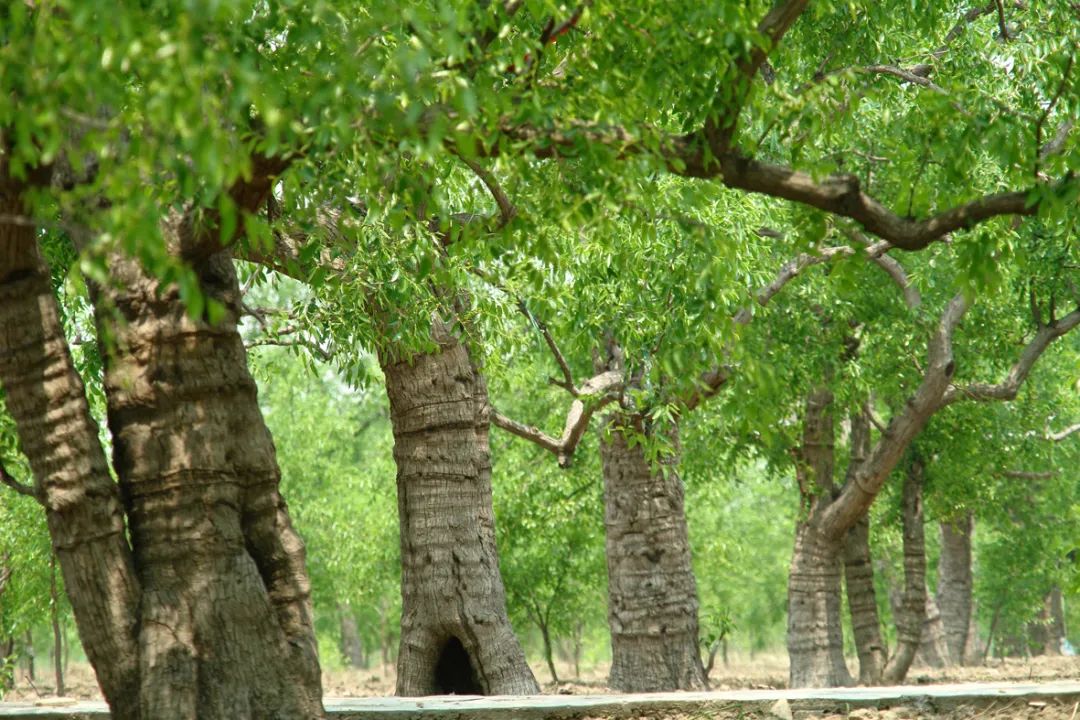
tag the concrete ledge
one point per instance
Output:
(566, 707)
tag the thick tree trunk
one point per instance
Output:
(455, 633)
(815, 634)
(911, 614)
(225, 614)
(859, 572)
(862, 603)
(954, 590)
(933, 646)
(652, 593)
(352, 649)
(46, 398)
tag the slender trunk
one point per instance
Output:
(579, 629)
(225, 626)
(911, 615)
(46, 398)
(954, 590)
(54, 616)
(455, 632)
(859, 572)
(7, 643)
(549, 657)
(862, 603)
(1055, 606)
(29, 655)
(815, 634)
(652, 593)
(352, 649)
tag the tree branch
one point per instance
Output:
(560, 359)
(27, 490)
(507, 211)
(1030, 474)
(1059, 436)
(603, 387)
(866, 482)
(839, 194)
(1018, 373)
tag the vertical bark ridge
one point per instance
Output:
(47, 399)
(815, 634)
(911, 614)
(450, 584)
(188, 443)
(859, 570)
(954, 590)
(653, 603)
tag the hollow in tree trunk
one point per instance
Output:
(954, 590)
(455, 633)
(815, 635)
(652, 593)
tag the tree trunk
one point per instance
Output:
(455, 633)
(859, 573)
(46, 398)
(549, 657)
(652, 593)
(933, 647)
(352, 649)
(911, 615)
(862, 603)
(28, 654)
(54, 617)
(954, 590)
(815, 638)
(225, 614)
(1054, 628)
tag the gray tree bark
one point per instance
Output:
(225, 624)
(911, 613)
(206, 614)
(350, 645)
(455, 633)
(652, 592)
(954, 590)
(859, 572)
(815, 634)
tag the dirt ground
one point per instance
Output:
(761, 672)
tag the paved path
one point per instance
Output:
(575, 706)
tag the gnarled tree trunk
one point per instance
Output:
(455, 633)
(815, 635)
(859, 572)
(911, 613)
(652, 593)
(47, 400)
(225, 628)
(954, 590)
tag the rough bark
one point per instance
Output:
(46, 398)
(859, 573)
(455, 633)
(954, 590)
(652, 592)
(933, 646)
(815, 634)
(911, 614)
(225, 625)
(862, 603)
(1053, 625)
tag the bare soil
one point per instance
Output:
(761, 672)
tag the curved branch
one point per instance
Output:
(1059, 436)
(7, 479)
(1018, 373)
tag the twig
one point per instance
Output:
(1001, 21)
(11, 482)
(1047, 110)
(1059, 436)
